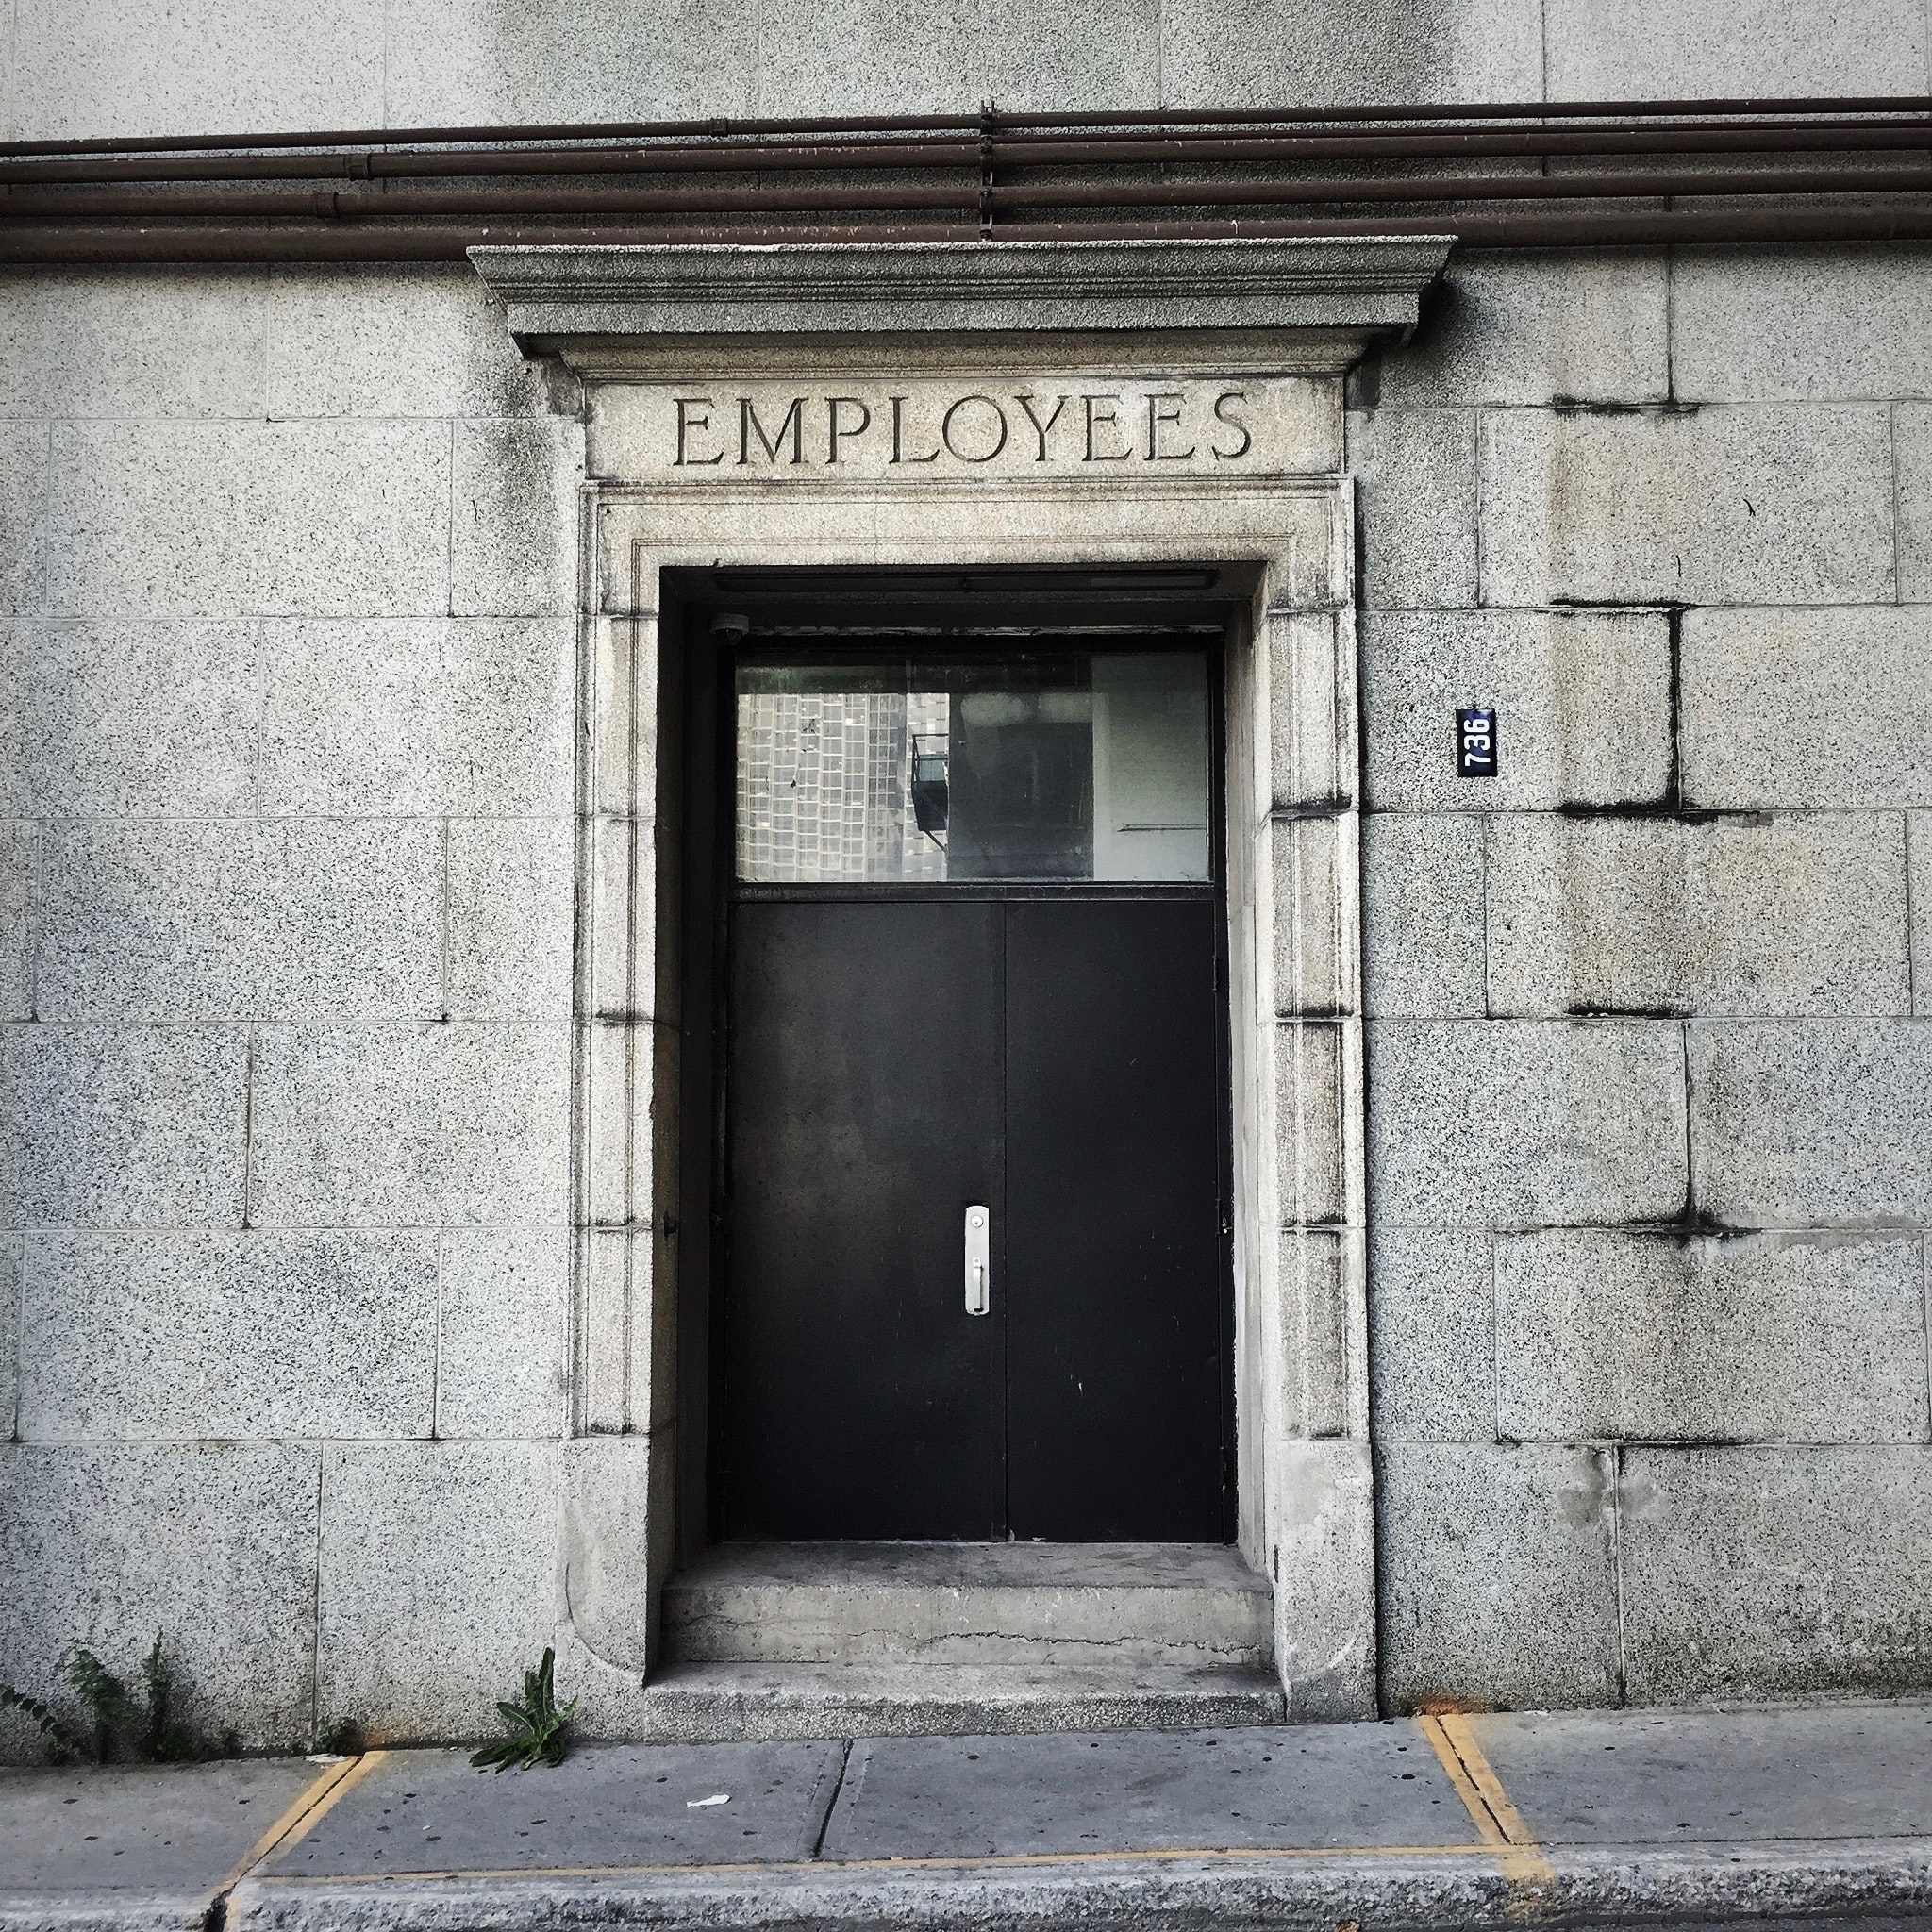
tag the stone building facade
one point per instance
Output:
(1582, 1116)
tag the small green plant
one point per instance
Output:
(536, 1727)
(146, 1729)
(62, 1743)
(103, 1697)
(166, 1737)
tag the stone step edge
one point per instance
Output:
(699, 1583)
(731, 1702)
(933, 1626)
(708, 1598)
(1032, 1601)
(979, 1650)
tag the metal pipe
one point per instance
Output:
(359, 205)
(51, 243)
(502, 203)
(1463, 188)
(1319, 148)
(1020, 141)
(1485, 145)
(725, 128)
(387, 207)
(1547, 112)
(377, 165)
(1908, 221)
(715, 129)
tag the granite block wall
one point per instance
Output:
(290, 662)
(287, 568)
(1650, 1168)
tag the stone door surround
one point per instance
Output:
(1001, 404)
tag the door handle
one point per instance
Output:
(979, 1260)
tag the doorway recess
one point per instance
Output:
(955, 939)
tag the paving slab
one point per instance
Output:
(1628, 1777)
(137, 1844)
(1282, 1786)
(621, 1805)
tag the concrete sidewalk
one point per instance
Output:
(1612, 1819)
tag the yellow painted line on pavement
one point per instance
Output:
(1501, 1825)
(1480, 1815)
(300, 1818)
(1460, 1731)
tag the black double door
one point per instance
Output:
(893, 1064)
(895, 1060)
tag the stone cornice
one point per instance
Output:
(1354, 287)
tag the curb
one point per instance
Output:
(1823, 1883)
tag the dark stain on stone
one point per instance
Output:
(1365, 380)
(1583, 405)
(1586, 1012)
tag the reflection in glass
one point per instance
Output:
(1050, 765)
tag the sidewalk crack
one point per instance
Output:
(817, 1843)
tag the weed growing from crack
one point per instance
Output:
(536, 1727)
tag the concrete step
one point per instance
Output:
(724, 1703)
(1164, 1606)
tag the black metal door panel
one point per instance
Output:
(863, 1104)
(1115, 1292)
(974, 958)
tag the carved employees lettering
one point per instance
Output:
(792, 425)
(1042, 430)
(1072, 428)
(1239, 428)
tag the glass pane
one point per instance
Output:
(1060, 765)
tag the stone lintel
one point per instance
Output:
(1345, 289)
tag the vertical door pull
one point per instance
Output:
(979, 1260)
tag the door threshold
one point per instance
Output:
(724, 1703)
